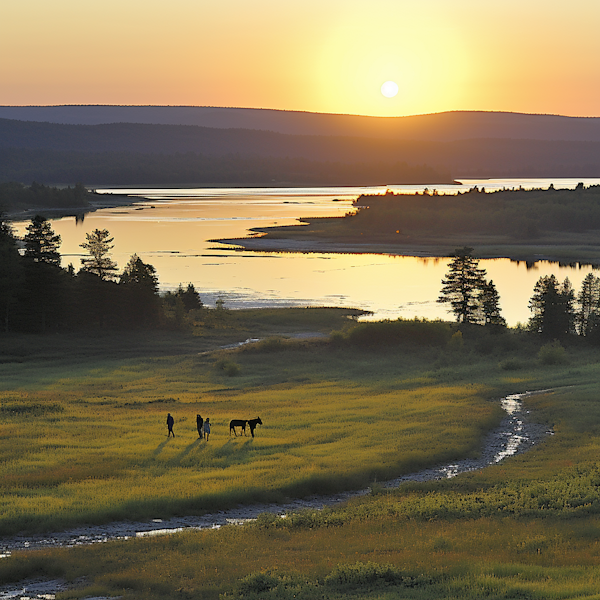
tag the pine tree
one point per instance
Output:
(140, 285)
(190, 297)
(41, 243)
(462, 286)
(10, 274)
(588, 301)
(99, 245)
(552, 305)
(138, 272)
(490, 305)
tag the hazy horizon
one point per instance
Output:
(329, 56)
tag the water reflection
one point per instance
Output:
(172, 232)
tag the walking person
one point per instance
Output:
(170, 422)
(200, 426)
(207, 428)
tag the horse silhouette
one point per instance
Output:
(253, 423)
(237, 423)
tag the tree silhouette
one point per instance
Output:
(41, 243)
(552, 305)
(10, 273)
(588, 301)
(490, 305)
(140, 285)
(462, 286)
(190, 297)
(99, 245)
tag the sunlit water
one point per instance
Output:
(171, 229)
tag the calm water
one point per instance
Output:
(171, 232)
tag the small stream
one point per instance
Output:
(515, 434)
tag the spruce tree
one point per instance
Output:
(552, 305)
(588, 301)
(490, 305)
(98, 245)
(462, 286)
(41, 243)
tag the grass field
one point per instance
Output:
(83, 439)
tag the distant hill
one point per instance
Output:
(446, 126)
(438, 150)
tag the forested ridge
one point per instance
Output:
(176, 154)
(134, 168)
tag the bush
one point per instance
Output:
(511, 364)
(258, 583)
(552, 354)
(360, 574)
(387, 333)
(227, 367)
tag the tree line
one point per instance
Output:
(38, 295)
(131, 168)
(557, 310)
(519, 214)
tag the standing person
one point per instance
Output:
(200, 426)
(207, 428)
(170, 422)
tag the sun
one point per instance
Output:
(389, 89)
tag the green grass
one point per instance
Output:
(336, 415)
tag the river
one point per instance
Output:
(171, 229)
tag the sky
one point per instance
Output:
(532, 56)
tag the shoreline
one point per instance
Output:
(514, 252)
(98, 202)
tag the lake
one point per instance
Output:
(171, 229)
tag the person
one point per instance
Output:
(207, 428)
(200, 426)
(170, 422)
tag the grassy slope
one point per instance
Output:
(527, 528)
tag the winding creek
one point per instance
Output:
(517, 433)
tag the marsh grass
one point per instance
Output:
(98, 451)
(335, 416)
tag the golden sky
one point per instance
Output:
(529, 56)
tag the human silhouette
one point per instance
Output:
(200, 426)
(170, 422)
(207, 428)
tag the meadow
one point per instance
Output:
(83, 440)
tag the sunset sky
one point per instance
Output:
(535, 56)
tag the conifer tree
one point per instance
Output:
(41, 243)
(588, 301)
(98, 245)
(490, 305)
(552, 305)
(462, 286)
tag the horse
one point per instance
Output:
(253, 423)
(238, 423)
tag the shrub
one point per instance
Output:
(227, 367)
(511, 364)
(456, 341)
(387, 333)
(360, 574)
(258, 583)
(552, 354)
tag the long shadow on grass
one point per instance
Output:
(160, 447)
(177, 459)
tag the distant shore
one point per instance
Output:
(97, 202)
(563, 254)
